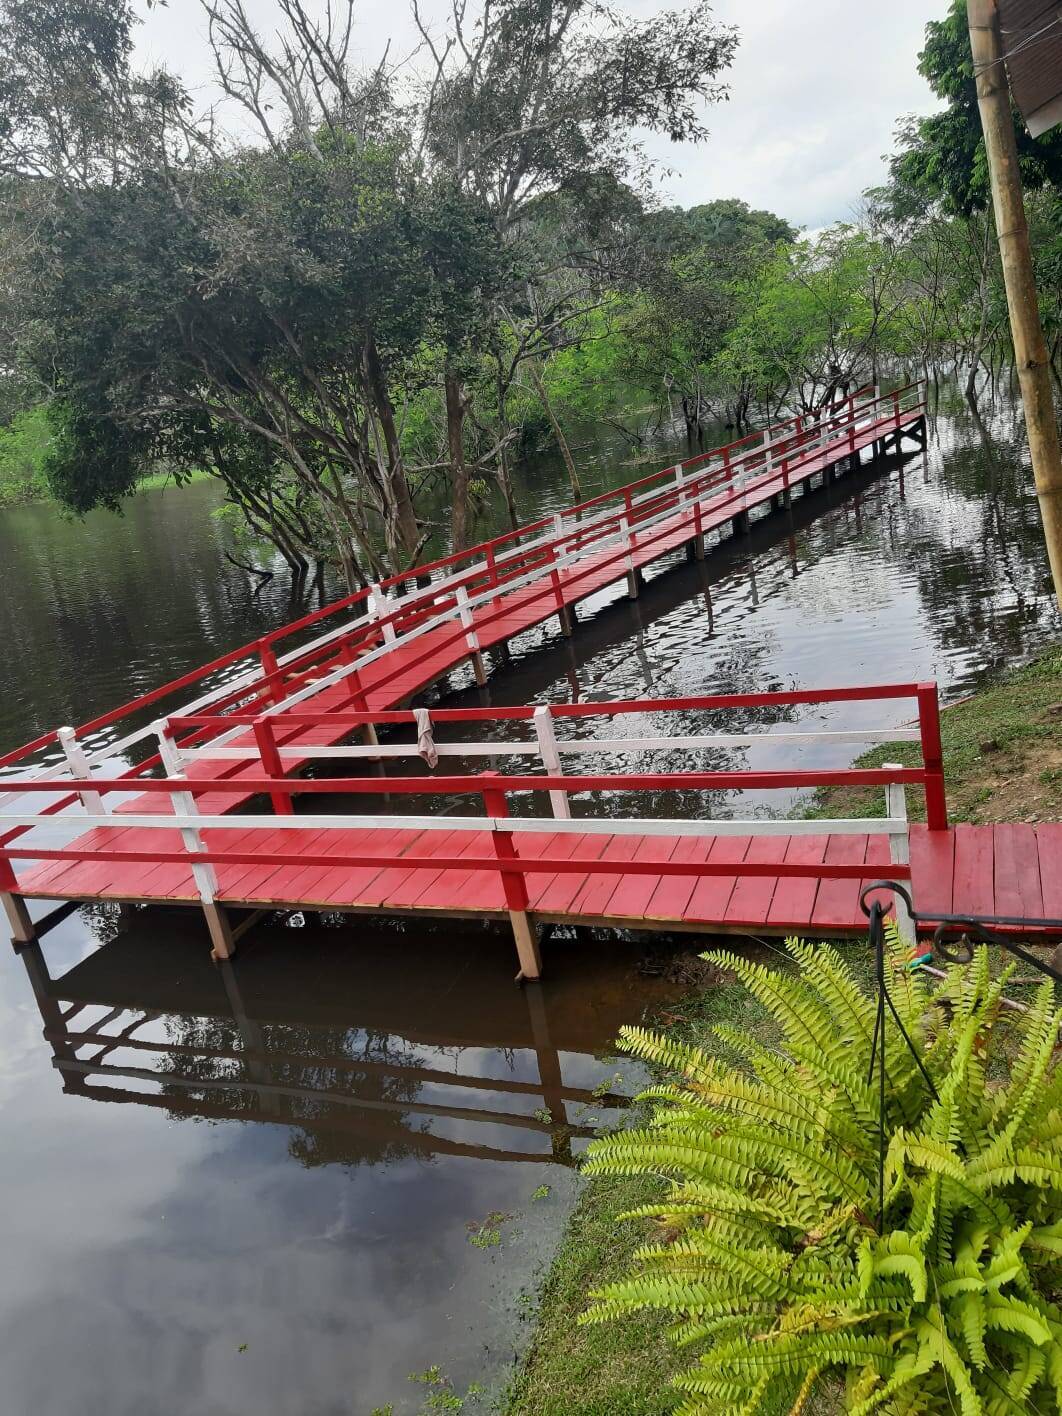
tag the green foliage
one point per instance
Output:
(24, 444)
(943, 156)
(767, 1257)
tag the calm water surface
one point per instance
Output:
(310, 1174)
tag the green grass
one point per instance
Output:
(1002, 753)
(166, 479)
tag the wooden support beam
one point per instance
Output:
(527, 949)
(18, 918)
(221, 936)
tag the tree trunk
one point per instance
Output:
(456, 407)
(1030, 352)
(505, 481)
(558, 431)
(402, 530)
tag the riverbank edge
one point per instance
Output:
(152, 482)
(1003, 761)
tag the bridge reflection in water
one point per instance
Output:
(372, 1044)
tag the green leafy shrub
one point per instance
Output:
(767, 1253)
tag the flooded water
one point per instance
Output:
(286, 1185)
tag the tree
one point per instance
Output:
(943, 156)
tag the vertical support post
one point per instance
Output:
(379, 607)
(1030, 350)
(625, 526)
(471, 637)
(273, 690)
(900, 850)
(492, 570)
(514, 885)
(15, 910)
(356, 696)
(565, 614)
(79, 767)
(202, 871)
(272, 765)
(550, 755)
(932, 757)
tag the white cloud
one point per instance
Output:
(815, 92)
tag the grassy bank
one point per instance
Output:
(1002, 753)
(1003, 761)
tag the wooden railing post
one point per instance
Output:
(79, 767)
(378, 608)
(514, 885)
(899, 850)
(625, 526)
(206, 882)
(356, 694)
(932, 757)
(272, 765)
(273, 689)
(18, 916)
(564, 614)
(464, 611)
(548, 752)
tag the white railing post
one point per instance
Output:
(206, 881)
(75, 755)
(379, 606)
(184, 805)
(547, 750)
(900, 850)
(471, 637)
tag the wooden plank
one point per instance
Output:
(836, 901)
(671, 896)
(793, 901)
(628, 896)
(1049, 850)
(932, 870)
(557, 896)
(711, 894)
(1017, 870)
(598, 888)
(750, 902)
(973, 887)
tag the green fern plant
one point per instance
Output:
(767, 1253)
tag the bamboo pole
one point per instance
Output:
(1030, 351)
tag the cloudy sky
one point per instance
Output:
(815, 91)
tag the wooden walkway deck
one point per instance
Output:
(138, 838)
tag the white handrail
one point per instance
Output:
(572, 826)
(824, 434)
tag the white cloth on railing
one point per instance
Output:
(425, 737)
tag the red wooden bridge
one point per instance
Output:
(229, 825)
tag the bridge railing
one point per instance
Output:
(498, 829)
(267, 672)
(464, 618)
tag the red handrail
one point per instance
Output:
(484, 549)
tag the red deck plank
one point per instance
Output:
(973, 887)
(1017, 871)
(837, 901)
(630, 894)
(711, 894)
(793, 901)
(1049, 849)
(750, 902)
(672, 894)
(932, 870)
